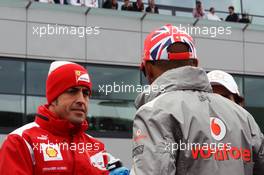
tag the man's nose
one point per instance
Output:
(81, 98)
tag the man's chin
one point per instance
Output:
(77, 117)
(77, 121)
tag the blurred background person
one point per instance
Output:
(212, 16)
(138, 6)
(91, 3)
(198, 11)
(224, 84)
(46, 1)
(152, 8)
(126, 6)
(245, 18)
(61, 2)
(232, 17)
(110, 4)
(75, 2)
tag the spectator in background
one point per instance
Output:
(224, 84)
(212, 16)
(138, 6)
(46, 1)
(245, 18)
(93, 3)
(87, 3)
(232, 17)
(61, 2)
(198, 11)
(127, 5)
(75, 2)
(110, 4)
(152, 8)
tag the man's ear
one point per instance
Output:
(195, 62)
(149, 72)
(54, 103)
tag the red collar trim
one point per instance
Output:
(55, 125)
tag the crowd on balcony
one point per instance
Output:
(199, 13)
(138, 5)
(88, 3)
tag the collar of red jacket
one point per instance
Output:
(49, 121)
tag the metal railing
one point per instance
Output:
(173, 10)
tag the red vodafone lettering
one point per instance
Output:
(222, 154)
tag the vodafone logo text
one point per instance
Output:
(218, 128)
(222, 154)
(223, 151)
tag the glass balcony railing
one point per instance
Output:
(168, 9)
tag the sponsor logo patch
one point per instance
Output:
(51, 152)
(139, 135)
(218, 128)
(82, 76)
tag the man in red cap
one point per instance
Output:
(56, 142)
(182, 127)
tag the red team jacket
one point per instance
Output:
(52, 146)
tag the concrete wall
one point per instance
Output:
(121, 37)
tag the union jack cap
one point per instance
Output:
(157, 42)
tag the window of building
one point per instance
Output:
(253, 7)
(113, 82)
(254, 96)
(112, 105)
(36, 77)
(12, 76)
(143, 79)
(239, 81)
(12, 88)
(32, 106)
(114, 91)
(111, 115)
(11, 111)
(257, 20)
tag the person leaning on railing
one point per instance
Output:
(152, 8)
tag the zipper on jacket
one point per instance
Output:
(72, 152)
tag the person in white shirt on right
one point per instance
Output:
(90, 3)
(47, 1)
(87, 3)
(211, 15)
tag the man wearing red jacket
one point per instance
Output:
(56, 142)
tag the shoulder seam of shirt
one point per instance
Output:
(151, 103)
(19, 131)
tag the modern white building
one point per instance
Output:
(34, 34)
